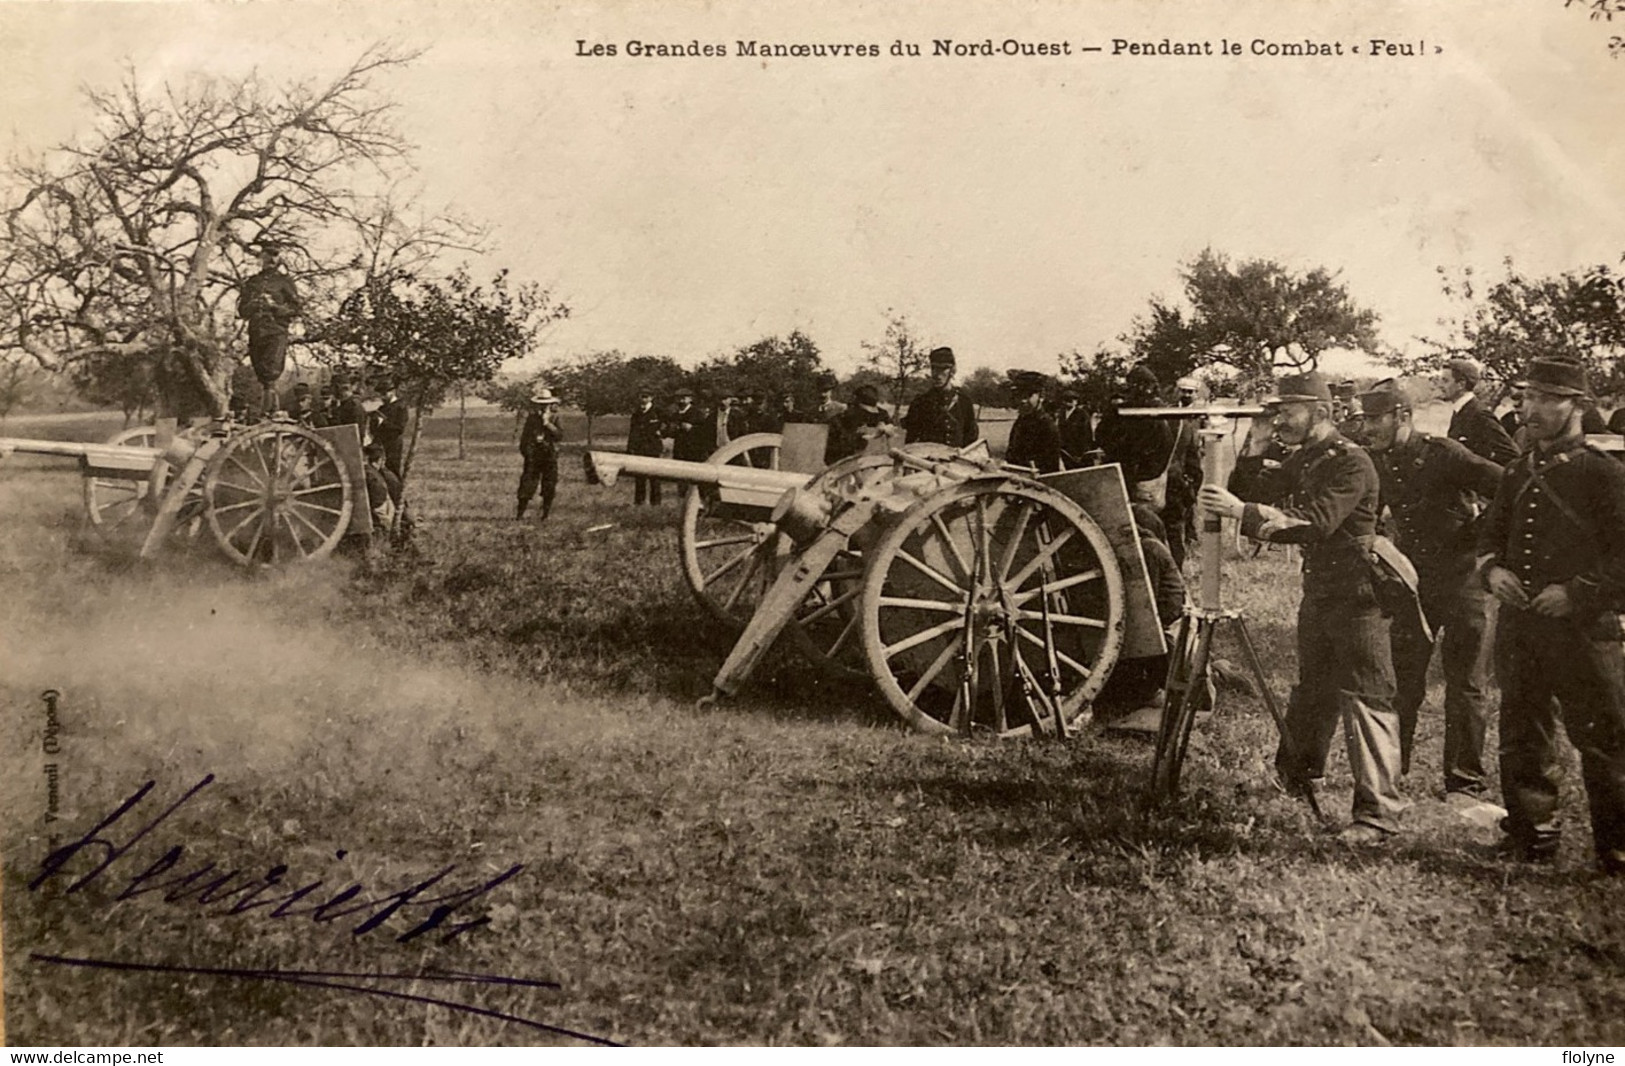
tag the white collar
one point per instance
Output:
(1461, 401)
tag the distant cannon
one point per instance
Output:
(269, 493)
(977, 596)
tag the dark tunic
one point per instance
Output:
(1330, 509)
(643, 434)
(846, 431)
(1035, 440)
(268, 302)
(1143, 446)
(1482, 433)
(1432, 486)
(1077, 434)
(943, 416)
(687, 430)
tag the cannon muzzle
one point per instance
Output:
(734, 484)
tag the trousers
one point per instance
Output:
(645, 488)
(541, 472)
(267, 353)
(1455, 601)
(1539, 660)
(1345, 675)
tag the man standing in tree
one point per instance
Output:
(539, 445)
(1553, 553)
(1431, 486)
(269, 303)
(1345, 669)
(941, 414)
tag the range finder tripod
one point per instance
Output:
(1191, 655)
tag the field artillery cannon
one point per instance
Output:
(269, 493)
(976, 596)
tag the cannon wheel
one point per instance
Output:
(115, 505)
(277, 493)
(729, 554)
(827, 627)
(952, 608)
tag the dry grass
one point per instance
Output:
(792, 867)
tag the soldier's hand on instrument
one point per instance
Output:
(1504, 586)
(1553, 602)
(1220, 501)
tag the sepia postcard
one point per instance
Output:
(427, 619)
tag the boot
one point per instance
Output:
(520, 511)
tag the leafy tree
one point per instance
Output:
(132, 241)
(606, 383)
(1576, 315)
(1098, 376)
(433, 334)
(17, 381)
(131, 384)
(986, 387)
(771, 365)
(1254, 316)
(900, 357)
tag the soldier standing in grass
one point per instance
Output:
(1553, 553)
(389, 427)
(941, 414)
(1432, 486)
(1345, 669)
(347, 409)
(643, 438)
(539, 444)
(1035, 440)
(1077, 425)
(687, 426)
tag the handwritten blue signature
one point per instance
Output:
(269, 894)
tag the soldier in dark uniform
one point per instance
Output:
(1432, 487)
(389, 427)
(1035, 439)
(643, 438)
(851, 430)
(539, 444)
(1553, 548)
(1345, 671)
(1471, 423)
(686, 426)
(942, 413)
(828, 406)
(1077, 425)
(269, 303)
(1144, 447)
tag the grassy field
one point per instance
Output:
(792, 867)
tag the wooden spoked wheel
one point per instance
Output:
(985, 599)
(827, 627)
(117, 506)
(277, 493)
(731, 553)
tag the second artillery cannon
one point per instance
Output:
(977, 596)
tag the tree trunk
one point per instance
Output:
(589, 430)
(462, 419)
(411, 446)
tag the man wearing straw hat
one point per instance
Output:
(1552, 550)
(539, 444)
(1345, 669)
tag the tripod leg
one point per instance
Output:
(1179, 711)
(1257, 667)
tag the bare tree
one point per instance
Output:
(132, 241)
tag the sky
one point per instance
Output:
(1013, 207)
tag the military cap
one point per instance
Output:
(941, 357)
(1383, 397)
(341, 377)
(1557, 377)
(866, 395)
(1027, 382)
(385, 384)
(1310, 387)
(1344, 388)
(1466, 370)
(301, 387)
(684, 391)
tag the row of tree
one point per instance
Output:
(122, 252)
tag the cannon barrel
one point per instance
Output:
(736, 484)
(93, 457)
(1216, 410)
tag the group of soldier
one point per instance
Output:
(1532, 587)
